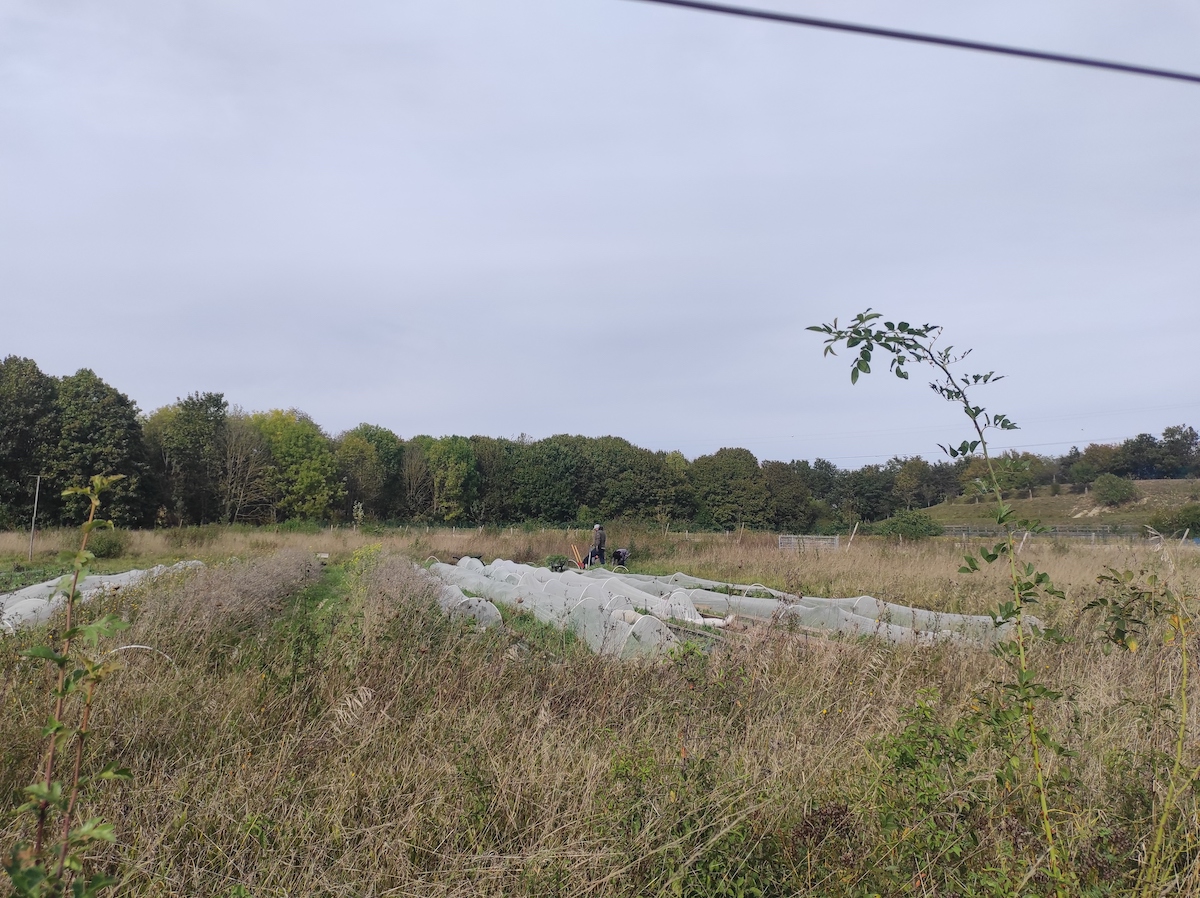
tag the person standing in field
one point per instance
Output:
(598, 541)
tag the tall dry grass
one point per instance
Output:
(924, 573)
(327, 732)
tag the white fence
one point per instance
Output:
(796, 543)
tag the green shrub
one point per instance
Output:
(908, 524)
(1109, 489)
(1186, 517)
(105, 543)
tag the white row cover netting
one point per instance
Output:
(622, 615)
(36, 603)
(625, 615)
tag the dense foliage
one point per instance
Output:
(201, 461)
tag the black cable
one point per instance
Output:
(927, 39)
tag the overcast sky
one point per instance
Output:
(603, 216)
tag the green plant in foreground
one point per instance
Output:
(928, 807)
(51, 864)
(1013, 715)
(1134, 605)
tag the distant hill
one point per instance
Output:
(1071, 507)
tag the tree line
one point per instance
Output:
(200, 460)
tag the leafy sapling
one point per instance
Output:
(52, 863)
(1014, 713)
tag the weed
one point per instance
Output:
(52, 863)
(1015, 709)
(110, 543)
(928, 801)
(1136, 607)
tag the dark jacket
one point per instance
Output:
(598, 538)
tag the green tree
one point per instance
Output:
(824, 479)
(1182, 519)
(100, 433)
(911, 477)
(304, 478)
(1102, 457)
(868, 493)
(729, 489)
(1082, 473)
(943, 482)
(28, 430)
(1019, 704)
(1024, 470)
(1140, 457)
(452, 462)
(789, 501)
(618, 479)
(545, 479)
(495, 464)
(361, 472)
(185, 443)
(676, 499)
(389, 449)
(1180, 448)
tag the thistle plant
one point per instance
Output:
(1015, 713)
(52, 863)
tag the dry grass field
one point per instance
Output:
(923, 573)
(322, 730)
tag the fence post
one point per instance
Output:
(33, 521)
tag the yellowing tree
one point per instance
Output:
(304, 480)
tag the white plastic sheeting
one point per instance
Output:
(624, 614)
(607, 614)
(36, 603)
(455, 603)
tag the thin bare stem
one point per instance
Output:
(48, 773)
(80, 737)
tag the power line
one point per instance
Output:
(917, 37)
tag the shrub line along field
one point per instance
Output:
(323, 730)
